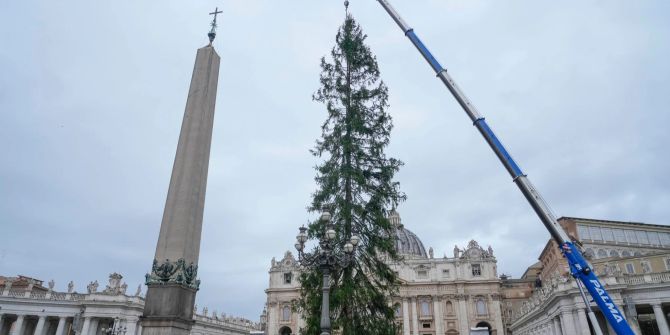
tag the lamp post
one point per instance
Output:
(115, 329)
(328, 256)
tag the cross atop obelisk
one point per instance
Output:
(212, 32)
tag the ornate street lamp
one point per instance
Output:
(115, 329)
(327, 257)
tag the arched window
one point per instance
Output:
(286, 313)
(425, 308)
(481, 307)
(614, 253)
(602, 253)
(589, 253)
(625, 253)
(450, 307)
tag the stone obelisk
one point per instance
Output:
(172, 283)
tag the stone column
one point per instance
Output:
(583, 322)
(61, 325)
(39, 329)
(93, 329)
(415, 318)
(497, 314)
(17, 329)
(131, 326)
(87, 325)
(463, 317)
(557, 326)
(660, 319)
(405, 316)
(567, 323)
(168, 308)
(438, 315)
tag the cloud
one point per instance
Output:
(92, 98)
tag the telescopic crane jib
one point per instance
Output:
(579, 268)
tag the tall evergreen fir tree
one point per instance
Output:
(355, 183)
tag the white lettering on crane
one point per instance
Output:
(610, 306)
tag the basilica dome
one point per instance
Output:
(407, 243)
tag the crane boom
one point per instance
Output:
(579, 267)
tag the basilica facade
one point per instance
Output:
(437, 295)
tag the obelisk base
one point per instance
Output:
(168, 310)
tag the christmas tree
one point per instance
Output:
(355, 184)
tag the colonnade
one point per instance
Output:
(43, 324)
(571, 321)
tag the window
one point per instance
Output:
(614, 253)
(398, 310)
(481, 307)
(602, 253)
(287, 277)
(583, 232)
(630, 235)
(425, 308)
(665, 239)
(286, 313)
(422, 274)
(653, 238)
(476, 270)
(589, 253)
(630, 269)
(642, 237)
(425, 325)
(619, 235)
(625, 253)
(608, 235)
(445, 273)
(595, 233)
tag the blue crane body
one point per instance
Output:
(579, 267)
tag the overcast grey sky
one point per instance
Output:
(92, 95)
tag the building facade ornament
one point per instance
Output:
(92, 287)
(173, 273)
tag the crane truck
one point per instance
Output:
(579, 267)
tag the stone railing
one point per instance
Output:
(230, 322)
(38, 295)
(647, 278)
(541, 295)
(77, 296)
(59, 296)
(17, 293)
(55, 296)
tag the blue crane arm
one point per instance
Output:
(579, 267)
